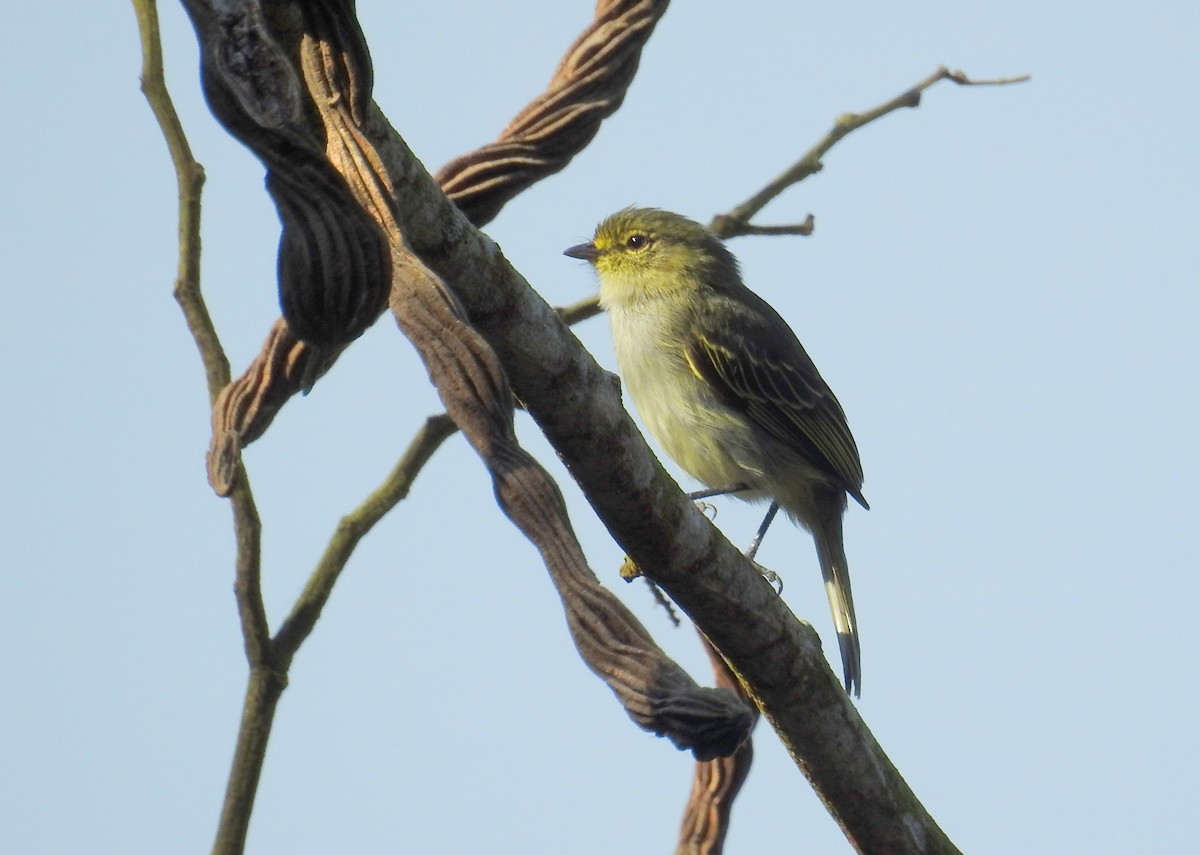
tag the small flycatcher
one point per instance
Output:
(726, 388)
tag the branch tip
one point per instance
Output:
(960, 77)
(738, 219)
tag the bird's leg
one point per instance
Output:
(762, 530)
(717, 491)
(770, 575)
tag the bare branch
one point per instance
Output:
(805, 228)
(779, 658)
(352, 528)
(190, 177)
(265, 682)
(736, 221)
(715, 783)
(586, 308)
(588, 85)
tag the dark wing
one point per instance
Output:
(762, 370)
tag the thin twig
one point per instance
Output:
(265, 683)
(662, 600)
(248, 579)
(805, 228)
(736, 221)
(352, 528)
(586, 308)
(190, 177)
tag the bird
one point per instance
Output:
(725, 387)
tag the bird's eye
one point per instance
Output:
(637, 241)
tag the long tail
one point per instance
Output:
(836, 572)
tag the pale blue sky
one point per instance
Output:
(1002, 289)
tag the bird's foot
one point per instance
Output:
(773, 578)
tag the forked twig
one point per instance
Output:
(736, 221)
(265, 682)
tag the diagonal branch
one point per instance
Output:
(588, 86)
(578, 408)
(337, 203)
(736, 222)
(352, 528)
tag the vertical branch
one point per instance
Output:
(265, 683)
(190, 177)
(263, 689)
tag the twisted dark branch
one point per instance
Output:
(588, 85)
(656, 693)
(716, 782)
(573, 401)
(333, 260)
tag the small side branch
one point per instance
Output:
(352, 528)
(737, 221)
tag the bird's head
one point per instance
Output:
(642, 253)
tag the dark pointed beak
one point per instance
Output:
(586, 251)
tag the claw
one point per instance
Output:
(773, 578)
